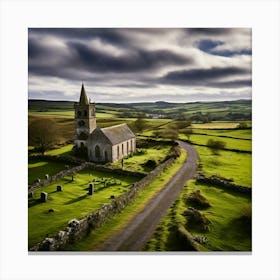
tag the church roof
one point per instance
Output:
(118, 133)
(83, 96)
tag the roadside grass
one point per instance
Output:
(38, 169)
(98, 236)
(72, 202)
(230, 229)
(239, 144)
(231, 165)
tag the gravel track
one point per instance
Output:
(140, 229)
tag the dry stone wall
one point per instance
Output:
(222, 182)
(77, 229)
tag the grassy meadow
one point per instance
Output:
(229, 229)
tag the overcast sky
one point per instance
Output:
(136, 65)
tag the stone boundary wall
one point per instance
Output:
(76, 169)
(222, 182)
(78, 229)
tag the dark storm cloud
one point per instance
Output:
(209, 31)
(108, 35)
(136, 61)
(200, 76)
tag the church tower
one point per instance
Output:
(85, 120)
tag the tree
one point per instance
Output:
(216, 146)
(169, 134)
(140, 124)
(43, 134)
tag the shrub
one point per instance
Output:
(215, 145)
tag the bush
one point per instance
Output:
(151, 163)
(215, 145)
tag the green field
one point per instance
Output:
(73, 197)
(231, 165)
(38, 169)
(229, 214)
(238, 144)
(156, 152)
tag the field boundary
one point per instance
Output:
(74, 170)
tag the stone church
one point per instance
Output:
(103, 144)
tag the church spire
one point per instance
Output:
(83, 96)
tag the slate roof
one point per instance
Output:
(118, 133)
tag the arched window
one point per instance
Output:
(118, 151)
(82, 145)
(122, 149)
(97, 152)
(131, 142)
(85, 113)
(127, 147)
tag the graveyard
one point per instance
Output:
(70, 198)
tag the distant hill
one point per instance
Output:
(222, 110)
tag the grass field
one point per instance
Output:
(38, 169)
(72, 202)
(137, 162)
(231, 165)
(238, 144)
(229, 230)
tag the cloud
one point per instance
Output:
(138, 63)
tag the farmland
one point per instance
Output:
(229, 210)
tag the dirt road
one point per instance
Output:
(141, 228)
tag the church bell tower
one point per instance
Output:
(85, 119)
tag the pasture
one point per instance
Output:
(229, 216)
(73, 201)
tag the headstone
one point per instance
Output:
(59, 188)
(44, 196)
(90, 189)
(47, 176)
(38, 180)
(72, 177)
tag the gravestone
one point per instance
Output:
(38, 180)
(90, 189)
(59, 188)
(44, 196)
(47, 176)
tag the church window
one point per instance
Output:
(127, 147)
(92, 112)
(132, 145)
(106, 156)
(118, 151)
(97, 152)
(122, 149)
(85, 113)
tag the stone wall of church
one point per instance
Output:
(123, 149)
